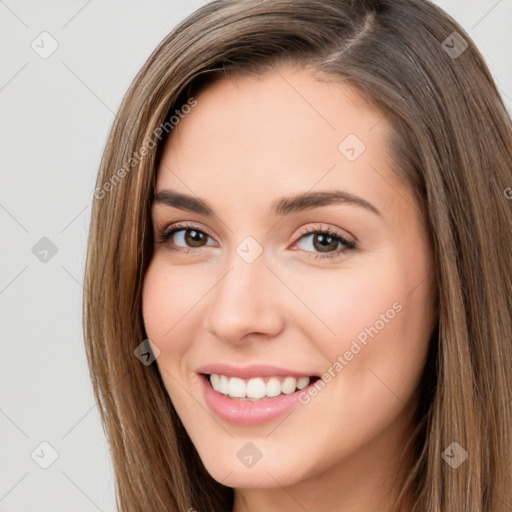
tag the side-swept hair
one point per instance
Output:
(451, 144)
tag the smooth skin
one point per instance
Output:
(249, 142)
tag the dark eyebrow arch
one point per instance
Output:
(283, 206)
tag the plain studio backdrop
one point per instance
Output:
(65, 67)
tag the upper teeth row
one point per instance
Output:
(256, 388)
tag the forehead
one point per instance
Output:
(283, 132)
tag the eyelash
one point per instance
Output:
(165, 235)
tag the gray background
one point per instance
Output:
(55, 114)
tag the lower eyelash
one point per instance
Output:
(333, 234)
(165, 235)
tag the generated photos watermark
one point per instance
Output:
(148, 144)
(343, 360)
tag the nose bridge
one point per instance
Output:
(242, 299)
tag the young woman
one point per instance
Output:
(299, 273)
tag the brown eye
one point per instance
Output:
(183, 237)
(193, 238)
(324, 243)
(188, 237)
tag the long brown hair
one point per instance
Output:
(452, 145)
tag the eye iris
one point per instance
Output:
(332, 243)
(195, 238)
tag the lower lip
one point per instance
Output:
(246, 412)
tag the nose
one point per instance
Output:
(243, 304)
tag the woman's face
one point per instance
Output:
(254, 289)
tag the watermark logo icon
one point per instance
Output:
(44, 45)
(44, 455)
(454, 45)
(249, 454)
(44, 250)
(249, 249)
(146, 352)
(454, 455)
(351, 147)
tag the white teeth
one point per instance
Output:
(289, 385)
(273, 387)
(256, 388)
(237, 387)
(223, 385)
(214, 379)
(302, 382)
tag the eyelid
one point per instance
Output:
(166, 233)
(176, 226)
(336, 232)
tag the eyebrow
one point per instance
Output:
(283, 206)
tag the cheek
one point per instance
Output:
(345, 302)
(167, 300)
(373, 317)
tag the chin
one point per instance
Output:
(258, 463)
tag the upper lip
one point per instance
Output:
(250, 371)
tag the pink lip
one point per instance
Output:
(249, 372)
(245, 412)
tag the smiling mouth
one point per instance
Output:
(258, 388)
